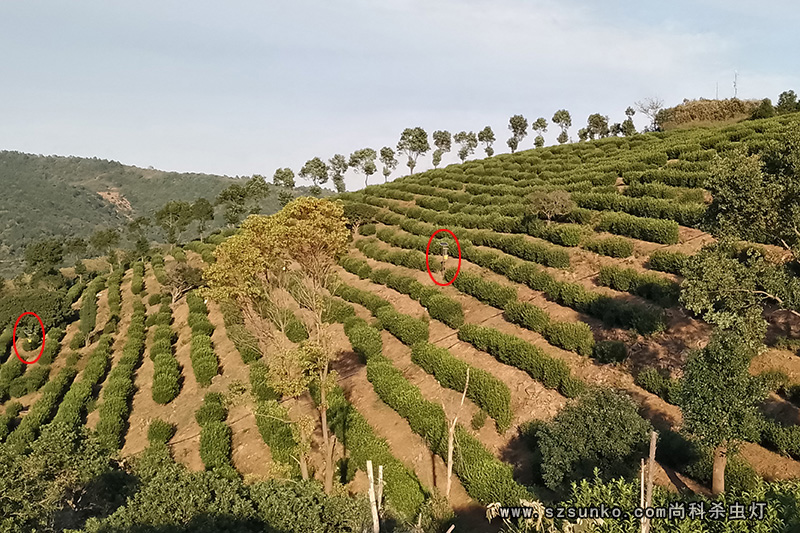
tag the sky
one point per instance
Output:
(243, 87)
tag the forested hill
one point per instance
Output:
(74, 196)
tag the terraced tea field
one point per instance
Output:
(532, 313)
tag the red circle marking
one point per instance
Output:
(14, 337)
(427, 252)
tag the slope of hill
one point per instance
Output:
(74, 196)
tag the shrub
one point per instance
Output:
(246, 343)
(478, 419)
(31, 381)
(650, 286)
(486, 291)
(602, 430)
(277, 434)
(179, 255)
(212, 409)
(484, 477)
(200, 324)
(651, 380)
(337, 311)
(572, 336)
(215, 445)
(196, 303)
(407, 329)
(446, 310)
(665, 261)
(154, 299)
(488, 392)
(356, 266)
(404, 493)
(204, 360)
(527, 315)
(610, 351)
(516, 352)
(611, 246)
(366, 341)
(259, 382)
(160, 432)
(166, 378)
(137, 281)
(367, 229)
(646, 229)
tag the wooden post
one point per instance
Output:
(648, 494)
(379, 495)
(451, 438)
(376, 526)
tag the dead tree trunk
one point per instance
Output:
(648, 492)
(373, 500)
(718, 473)
(451, 437)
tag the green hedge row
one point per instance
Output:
(484, 477)
(645, 229)
(11, 370)
(439, 306)
(166, 370)
(651, 380)
(367, 299)
(137, 281)
(610, 246)
(8, 418)
(406, 258)
(42, 411)
(6, 338)
(511, 350)
(259, 382)
(648, 285)
(572, 336)
(406, 328)
(72, 409)
(272, 420)
(215, 435)
(114, 293)
(404, 493)
(489, 292)
(205, 363)
(30, 381)
(246, 343)
(158, 268)
(160, 432)
(88, 310)
(665, 261)
(118, 391)
(76, 290)
(685, 214)
(485, 390)
(519, 246)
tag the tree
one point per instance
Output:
(650, 107)
(443, 143)
(787, 103)
(757, 197)
(583, 134)
(296, 248)
(764, 110)
(284, 178)
(175, 217)
(628, 127)
(540, 127)
(602, 430)
(363, 161)
(203, 213)
(413, 142)
(75, 246)
(550, 204)
(720, 399)
(389, 162)
(486, 136)
(358, 214)
(316, 171)
(44, 255)
(255, 190)
(597, 126)
(182, 278)
(616, 129)
(467, 142)
(233, 197)
(519, 129)
(728, 285)
(337, 166)
(563, 120)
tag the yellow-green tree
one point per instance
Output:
(299, 245)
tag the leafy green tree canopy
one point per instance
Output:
(518, 125)
(337, 167)
(45, 254)
(363, 161)
(467, 142)
(413, 143)
(486, 136)
(316, 171)
(389, 162)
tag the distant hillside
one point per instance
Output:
(75, 196)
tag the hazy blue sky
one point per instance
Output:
(242, 87)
